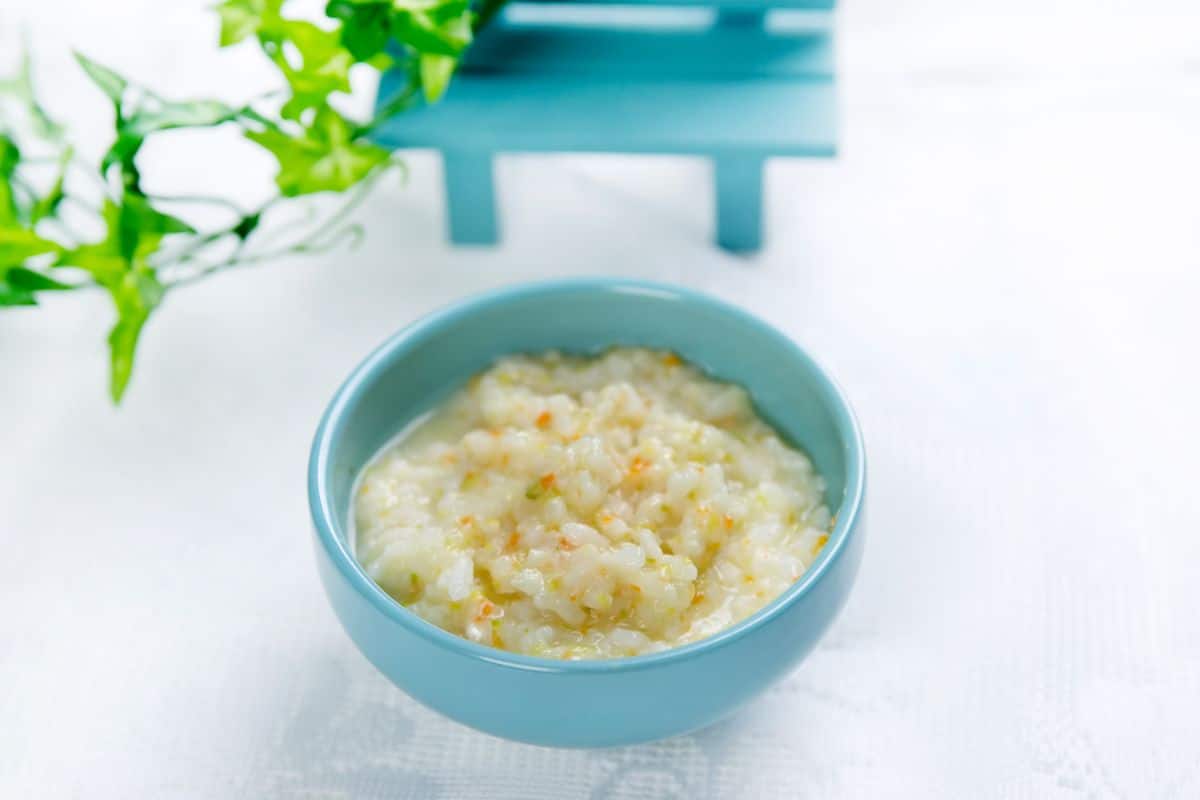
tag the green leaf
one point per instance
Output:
(100, 260)
(326, 159)
(243, 18)
(452, 11)
(426, 35)
(119, 264)
(109, 82)
(435, 75)
(150, 115)
(246, 226)
(18, 285)
(124, 149)
(103, 260)
(138, 293)
(137, 214)
(168, 115)
(123, 153)
(29, 280)
(442, 7)
(47, 206)
(10, 156)
(141, 226)
(8, 203)
(21, 87)
(380, 61)
(135, 230)
(18, 244)
(324, 65)
(452, 23)
(11, 296)
(133, 129)
(366, 26)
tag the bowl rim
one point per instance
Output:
(323, 514)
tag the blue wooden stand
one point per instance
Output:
(736, 89)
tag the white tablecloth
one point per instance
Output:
(1002, 270)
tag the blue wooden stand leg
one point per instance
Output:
(739, 190)
(470, 197)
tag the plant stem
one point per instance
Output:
(308, 243)
(198, 200)
(391, 108)
(189, 252)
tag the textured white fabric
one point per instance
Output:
(1002, 269)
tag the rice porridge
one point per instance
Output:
(599, 507)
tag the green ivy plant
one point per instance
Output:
(68, 225)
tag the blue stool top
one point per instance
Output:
(735, 86)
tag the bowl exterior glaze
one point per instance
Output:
(585, 703)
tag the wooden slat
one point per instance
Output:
(544, 113)
(717, 52)
(710, 90)
(799, 5)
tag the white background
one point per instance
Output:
(1001, 269)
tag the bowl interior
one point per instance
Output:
(420, 366)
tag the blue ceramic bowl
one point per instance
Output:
(585, 703)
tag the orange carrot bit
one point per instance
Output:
(698, 598)
(547, 480)
(485, 610)
(514, 539)
(565, 544)
(543, 419)
(467, 520)
(672, 360)
(728, 522)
